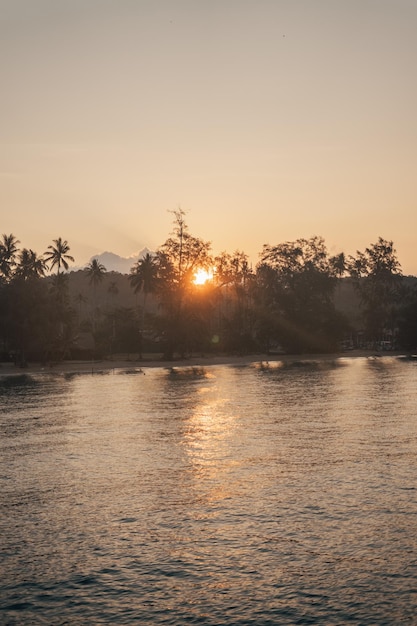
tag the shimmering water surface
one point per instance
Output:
(229, 495)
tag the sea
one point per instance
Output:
(263, 493)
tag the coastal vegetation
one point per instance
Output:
(184, 300)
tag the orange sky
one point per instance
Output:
(264, 120)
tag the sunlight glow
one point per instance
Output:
(201, 276)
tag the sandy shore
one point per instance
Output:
(9, 369)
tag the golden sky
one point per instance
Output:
(264, 120)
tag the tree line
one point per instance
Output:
(288, 302)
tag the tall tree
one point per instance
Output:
(95, 272)
(143, 277)
(183, 253)
(57, 255)
(28, 307)
(177, 260)
(61, 333)
(29, 265)
(377, 277)
(408, 320)
(234, 281)
(8, 255)
(296, 282)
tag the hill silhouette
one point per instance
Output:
(116, 263)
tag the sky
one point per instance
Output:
(264, 120)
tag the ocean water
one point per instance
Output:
(262, 494)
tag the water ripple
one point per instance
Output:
(216, 496)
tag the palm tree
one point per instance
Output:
(95, 272)
(59, 288)
(58, 254)
(30, 265)
(8, 253)
(338, 264)
(142, 277)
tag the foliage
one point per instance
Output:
(8, 254)
(95, 272)
(116, 332)
(176, 261)
(29, 265)
(296, 283)
(58, 255)
(407, 321)
(377, 277)
(234, 280)
(143, 278)
(287, 304)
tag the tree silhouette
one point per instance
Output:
(95, 272)
(29, 265)
(143, 278)
(234, 281)
(377, 277)
(27, 301)
(296, 282)
(61, 334)
(177, 260)
(57, 255)
(293, 299)
(8, 254)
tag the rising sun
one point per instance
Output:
(201, 276)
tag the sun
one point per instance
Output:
(201, 276)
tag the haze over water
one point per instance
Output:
(224, 495)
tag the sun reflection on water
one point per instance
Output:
(220, 495)
(208, 440)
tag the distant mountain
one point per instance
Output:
(115, 263)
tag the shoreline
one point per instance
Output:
(69, 367)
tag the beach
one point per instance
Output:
(96, 366)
